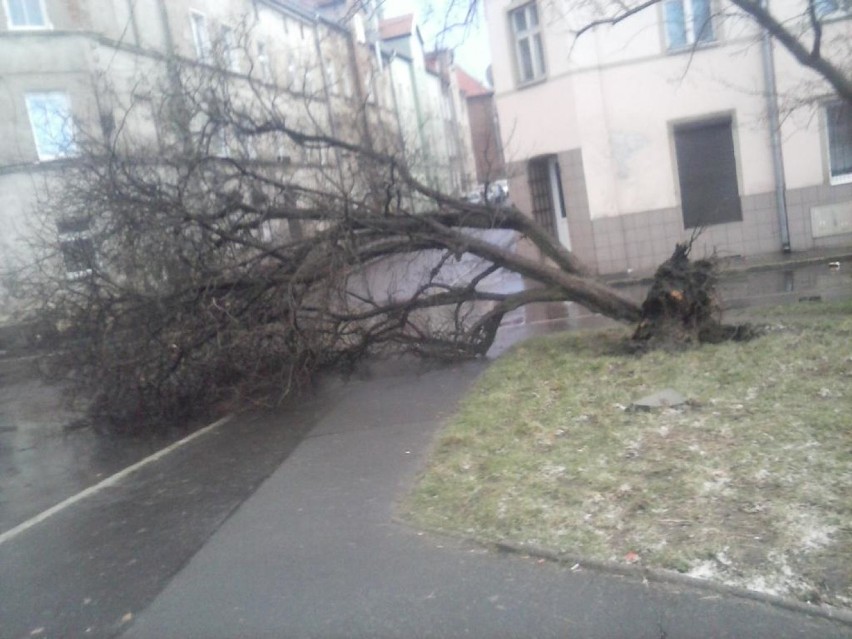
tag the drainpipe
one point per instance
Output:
(775, 136)
(131, 9)
(329, 106)
(177, 103)
(427, 155)
(399, 129)
(361, 97)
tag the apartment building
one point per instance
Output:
(484, 128)
(58, 57)
(433, 113)
(680, 117)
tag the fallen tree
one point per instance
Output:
(211, 266)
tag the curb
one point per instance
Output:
(668, 577)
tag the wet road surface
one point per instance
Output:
(78, 573)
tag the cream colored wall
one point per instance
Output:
(539, 119)
(618, 92)
(624, 121)
(38, 62)
(802, 96)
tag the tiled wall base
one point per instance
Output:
(641, 241)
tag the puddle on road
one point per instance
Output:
(42, 461)
(775, 286)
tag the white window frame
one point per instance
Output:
(230, 50)
(200, 35)
(47, 149)
(843, 178)
(263, 61)
(223, 143)
(532, 33)
(333, 86)
(27, 27)
(66, 238)
(347, 83)
(688, 26)
(841, 10)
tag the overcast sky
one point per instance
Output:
(471, 44)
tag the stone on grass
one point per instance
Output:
(666, 398)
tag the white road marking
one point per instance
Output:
(109, 481)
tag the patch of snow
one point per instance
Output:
(723, 558)
(816, 537)
(762, 474)
(552, 471)
(705, 569)
(716, 485)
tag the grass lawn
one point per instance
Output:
(750, 484)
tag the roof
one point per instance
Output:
(396, 27)
(316, 4)
(470, 86)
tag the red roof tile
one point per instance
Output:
(470, 86)
(396, 27)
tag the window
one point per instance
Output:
(26, 14)
(76, 246)
(529, 53)
(688, 22)
(222, 141)
(200, 35)
(542, 194)
(707, 171)
(832, 9)
(230, 54)
(332, 78)
(838, 127)
(53, 128)
(263, 62)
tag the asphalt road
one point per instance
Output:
(81, 571)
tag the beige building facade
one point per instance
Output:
(336, 75)
(633, 136)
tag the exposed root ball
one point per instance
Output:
(682, 307)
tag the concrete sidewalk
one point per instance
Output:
(314, 552)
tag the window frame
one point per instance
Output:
(66, 238)
(201, 36)
(833, 15)
(46, 24)
(688, 12)
(44, 151)
(263, 61)
(230, 48)
(843, 178)
(534, 35)
(709, 121)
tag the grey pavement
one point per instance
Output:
(81, 572)
(316, 552)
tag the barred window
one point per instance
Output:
(838, 125)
